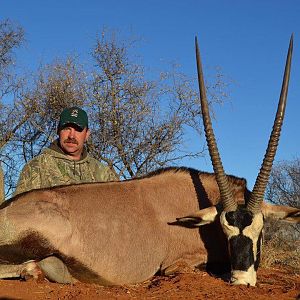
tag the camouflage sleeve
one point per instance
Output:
(110, 175)
(29, 178)
(102, 172)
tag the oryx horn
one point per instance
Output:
(261, 182)
(225, 192)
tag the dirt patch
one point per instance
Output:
(275, 283)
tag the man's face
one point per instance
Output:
(72, 140)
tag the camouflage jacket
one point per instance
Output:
(52, 168)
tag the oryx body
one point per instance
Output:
(120, 232)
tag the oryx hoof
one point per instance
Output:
(31, 270)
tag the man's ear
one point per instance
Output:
(88, 132)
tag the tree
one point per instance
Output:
(139, 124)
(11, 37)
(281, 240)
(11, 112)
(284, 184)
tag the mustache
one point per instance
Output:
(70, 140)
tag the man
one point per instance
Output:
(66, 160)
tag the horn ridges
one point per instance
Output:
(225, 192)
(262, 179)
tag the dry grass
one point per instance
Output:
(281, 246)
(275, 253)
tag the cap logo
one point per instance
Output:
(74, 113)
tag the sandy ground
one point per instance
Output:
(275, 283)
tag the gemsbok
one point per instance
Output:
(125, 232)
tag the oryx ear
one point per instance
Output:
(199, 218)
(280, 212)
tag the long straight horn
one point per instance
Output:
(225, 192)
(262, 179)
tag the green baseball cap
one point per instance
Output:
(73, 115)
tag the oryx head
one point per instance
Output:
(241, 225)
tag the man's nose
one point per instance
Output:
(71, 133)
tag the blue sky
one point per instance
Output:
(248, 39)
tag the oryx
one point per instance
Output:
(125, 232)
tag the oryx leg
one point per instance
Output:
(55, 270)
(26, 270)
(51, 267)
(178, 267)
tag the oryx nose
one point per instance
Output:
(244, 278)
(236, 281)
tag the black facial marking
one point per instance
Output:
(241, 249)
(239, 218)
(240, 246)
